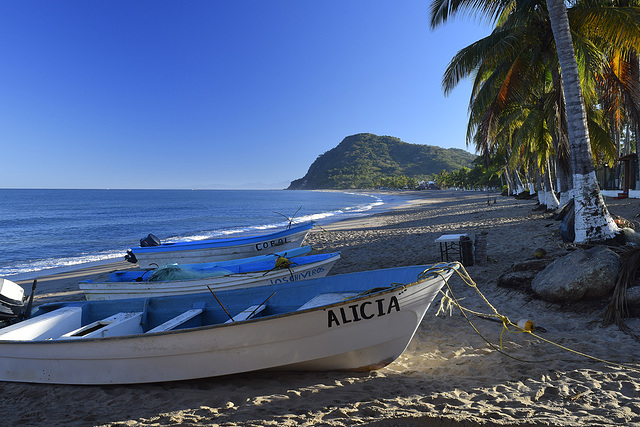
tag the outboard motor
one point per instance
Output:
(150, 240)
(11, 299)
(130, 256)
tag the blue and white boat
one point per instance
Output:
(295, 252)
(204, 251)
(178, 279)
(358, 321)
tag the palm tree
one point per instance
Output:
(513, 96)
(593, 221)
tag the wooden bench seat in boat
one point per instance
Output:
(117, 325)
(176, 321)
(326, 299)
(247, 313)
(47, 326)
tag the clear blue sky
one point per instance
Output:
(215, 93)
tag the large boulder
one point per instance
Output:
(583, 274)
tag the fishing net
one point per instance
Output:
(177, 272)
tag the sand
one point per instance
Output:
(448, 376)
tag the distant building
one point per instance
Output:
(427, 185)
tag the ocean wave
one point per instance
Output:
(24, 270)
(75, 255)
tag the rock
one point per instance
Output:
(517, 280)
(522, 274)
(631, 236)
(583, 274)
(540, 253)
(633, 301)
(534, 265)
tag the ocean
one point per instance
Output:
(67, 229)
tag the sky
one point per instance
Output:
(207, 94)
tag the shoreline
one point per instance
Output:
(70, 268)
(448, 375)
(56, 280)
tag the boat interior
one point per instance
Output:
(189, 271)
(67, 322)
(100, 319)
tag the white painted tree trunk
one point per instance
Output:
(540, 185)
(518, 181)
(550, 196)
(552, 201)
(565, 197)
(566, 193)
(592, 219)
(507, 178)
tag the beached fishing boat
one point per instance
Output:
(357, 321)
(290, 253)
(156, 254)
(177, 279)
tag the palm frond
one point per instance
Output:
(607, 26)
(440, 11)
(617, 309)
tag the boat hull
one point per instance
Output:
(221, 249)
(98, 291)
(362, 333)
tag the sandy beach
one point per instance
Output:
(448, 376)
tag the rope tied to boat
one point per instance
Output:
(449, 301)
(282, 262)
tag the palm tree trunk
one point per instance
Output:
(627, 140)
(518, 182)
(507, 177)
(540, 184)
(592, 219)
(530, 180)
(638, 154)
(564, 189)
(550, 197)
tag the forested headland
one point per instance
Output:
(366, 160)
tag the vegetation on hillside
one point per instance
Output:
(366, 161)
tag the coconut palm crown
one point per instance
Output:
(519, 101)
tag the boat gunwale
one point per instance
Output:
(334, 255)
(222, 242)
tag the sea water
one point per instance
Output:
(57, 229)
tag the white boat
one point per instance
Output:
(176, 279)
(203, 251)
(358, 321)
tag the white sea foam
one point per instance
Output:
(37, 266)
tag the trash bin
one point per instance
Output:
(466, 251)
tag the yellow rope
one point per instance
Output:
(441, 269)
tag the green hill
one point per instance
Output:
(364, 160)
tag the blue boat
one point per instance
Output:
(178, 279)
(155, 254)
